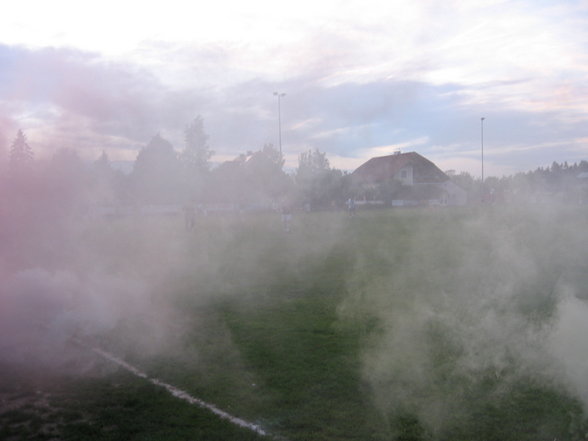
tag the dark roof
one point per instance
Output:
(383, 168)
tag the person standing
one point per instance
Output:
(350, 206)
(189, 216)
(286, 218)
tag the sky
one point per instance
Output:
(361, 78)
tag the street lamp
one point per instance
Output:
(280, 96)
(482, 141)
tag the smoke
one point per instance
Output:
(64, 274)
(25, 313)
(136, 284)
(567, 343)
(42, 310)
(457, 307)
(464, 309)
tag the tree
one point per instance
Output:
(266, 179)
(311, 163)
(66, 177)
(253, 178)
(267, 160)
(104, 181)
(156, 174)
(318, 184)
(21, 154)
(196, 154)
(102, 164)
(195, 160)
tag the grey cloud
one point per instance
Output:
(359, 116)
(123, 106)
(116, 99)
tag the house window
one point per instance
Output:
(403, 174)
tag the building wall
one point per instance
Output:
(455, 194)
(405, 175)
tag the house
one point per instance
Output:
(406, 179)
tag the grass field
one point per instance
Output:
(389, 325)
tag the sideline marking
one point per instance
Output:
(178, 393)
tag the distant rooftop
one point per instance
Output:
(383, 168)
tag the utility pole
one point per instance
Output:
(280, 96)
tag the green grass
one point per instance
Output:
(372, 327)
(117, 407)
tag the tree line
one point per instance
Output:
(162, 175)
(560, 182)
(255, 179)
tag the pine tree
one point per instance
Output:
(102, 168)
(197, 153)
(21, 154)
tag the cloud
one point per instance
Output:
(76, 98)
(346, 121)
(355, 78)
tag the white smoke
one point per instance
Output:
(41, 310)
(568, 343)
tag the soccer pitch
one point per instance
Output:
(426, 324)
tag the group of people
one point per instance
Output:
(285, 211)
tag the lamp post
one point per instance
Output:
(482, 142)
(280, 96)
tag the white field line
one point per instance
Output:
(178, 393)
